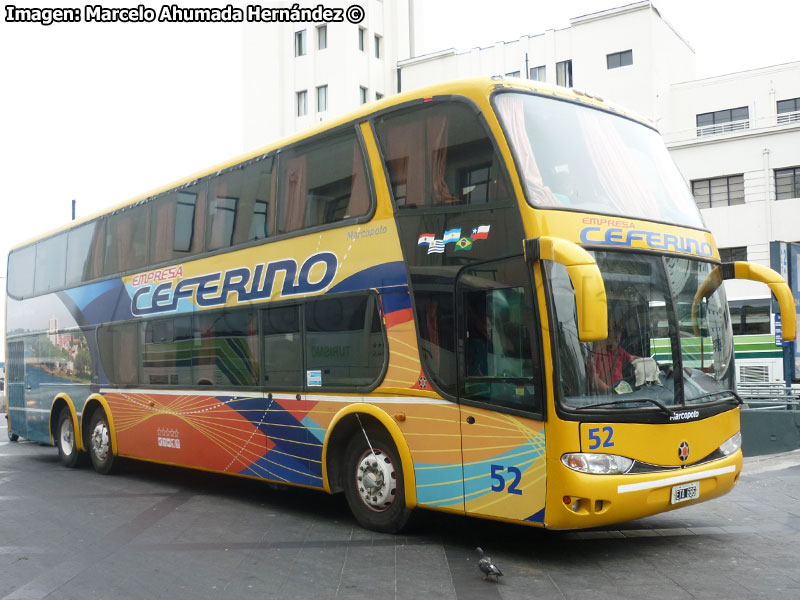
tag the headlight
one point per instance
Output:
(600, 464)
(732, 444)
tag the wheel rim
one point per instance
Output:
(375, 480)
(101, 441)
(66, 436)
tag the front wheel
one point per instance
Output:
(100, 449)
(68, 452)
(374, 485)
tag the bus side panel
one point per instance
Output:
(247, 434)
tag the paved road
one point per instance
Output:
(159, 532)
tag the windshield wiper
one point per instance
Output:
(663, 407)
(723, 395)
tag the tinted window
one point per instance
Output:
(167, 352)
(177, 224)
(79, 266)
(20, 272)
(119, 349)
(126, 240)
(51, 256)
(343, 346)
(283, 350)
(225, 349)
(440, 155)
(241, 204)
(322, 182)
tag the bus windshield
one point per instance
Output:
(664, 345)
(574, 157)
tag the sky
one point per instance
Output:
(102, 112)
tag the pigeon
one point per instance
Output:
(486, 565)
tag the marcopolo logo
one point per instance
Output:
(240, 284)
(685, 416)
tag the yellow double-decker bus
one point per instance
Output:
(488, 297)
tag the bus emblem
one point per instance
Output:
(683, 451)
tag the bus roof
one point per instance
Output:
(476, 88)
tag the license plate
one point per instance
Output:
(686, 491)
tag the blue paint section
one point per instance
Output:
(100, 302)
(394, 300)
(439, 484)
(314, 429)
(537, 518)
(381, 276)
(477, 475)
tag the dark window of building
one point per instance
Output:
(721, 121)
(513, 74)
(440, 155)
(302, 103)
(564, 73)
(322, 37)
(619, 59)
(789, 110)
(538, 73)
(363, 94)
(750, 316)
(737, 253)
(378, 40)
(322, 98)
(322, 182)
(300, 43)
(362, 39)
(719, 191)
(787, 183)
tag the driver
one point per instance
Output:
(607, 359)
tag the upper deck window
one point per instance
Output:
(440, 154)
(580, 158)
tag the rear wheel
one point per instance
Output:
(68, 452)
(100, 450)
(374, 485)
(12, 437)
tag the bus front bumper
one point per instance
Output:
(578, 500)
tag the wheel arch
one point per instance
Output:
(93, 403)
(345, 424)
(60, 402)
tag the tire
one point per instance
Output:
(99, 443)
(12, 437)
(68, 452)
(381, 506)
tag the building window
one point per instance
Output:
(377, 46)
(619, 59)
(322, 37)
(322, 98)
(300, 43)
(302, 103)
(513, 74)
(787, 183)
(564, 73)
(362, 38)
(750, 316)
(378, 96)
(721, 121)
(538, 73)
(719, 191)
(789, 110)
(727, 255)
(363, 94)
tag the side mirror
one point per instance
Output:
(590, 291)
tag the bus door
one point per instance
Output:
(15, 381)
(500, 392)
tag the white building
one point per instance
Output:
(297, 74)
(736, 137)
